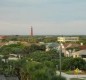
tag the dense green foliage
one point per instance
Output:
(11, 49)
(36, 64)
(73, 63)
(36, 71)
(33, 48)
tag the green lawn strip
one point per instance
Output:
(76, 79)
(72, 72)
(69, 72)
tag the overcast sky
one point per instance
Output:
(49, 17)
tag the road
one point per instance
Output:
(2, 77)
(12, 78)
(68, 77)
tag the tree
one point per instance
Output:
(50, 39)
(42, 47)
(32, 48)
(73, 63)
(32, 70)
(11, 49)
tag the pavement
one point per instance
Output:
(12, 78)
(68, 77)
(2, 77)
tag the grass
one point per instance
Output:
(69, 72)
(77, 79)
(72, 72)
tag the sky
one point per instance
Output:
(47, 17)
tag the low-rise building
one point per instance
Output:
(81, 54)
(52, 45)
(68, 39)
(13, 57)
(12, 42)
(2, 38)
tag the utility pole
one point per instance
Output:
(60, 51)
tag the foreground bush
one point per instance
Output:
(61, 78)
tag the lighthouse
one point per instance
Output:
(31, 31)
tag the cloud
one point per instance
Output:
(46, 16)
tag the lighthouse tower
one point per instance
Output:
(31, 31)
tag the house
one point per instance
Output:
(69, 48)
(81, 54)
(12, 42)
(52, 45)
(82, 47)
(2, 37)
(13, 57)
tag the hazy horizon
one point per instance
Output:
(48, 17)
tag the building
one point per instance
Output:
(68, 39)
(69, 48)
(2, 38)
(13, 57)
(31, 31)
(50, 46)
(12, 42)
(81, 54)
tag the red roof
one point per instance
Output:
(2, 37)
(68, 45)
(83, 47)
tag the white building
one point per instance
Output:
(69, 39)
(12, 42)
(81, 54)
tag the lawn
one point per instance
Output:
(72, 72)
(77, 79)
